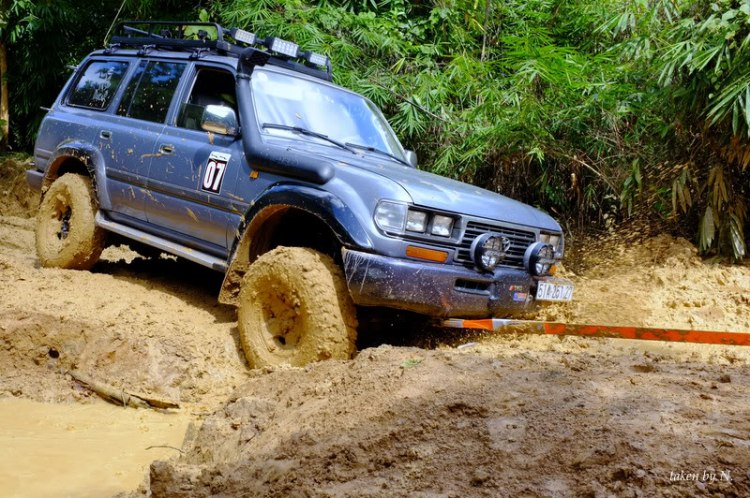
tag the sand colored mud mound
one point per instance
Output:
(142, 324)
(405, 421)
(17, 198)
(660, 282)
(511, 415)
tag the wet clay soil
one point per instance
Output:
(508, 416)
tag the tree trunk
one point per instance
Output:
(4, 113)
(484, 37)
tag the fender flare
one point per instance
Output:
(87, 154)
(320, 203)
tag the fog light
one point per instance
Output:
(539, 259)
(487, 251)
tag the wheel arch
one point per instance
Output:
(301, 207)
(82, 158)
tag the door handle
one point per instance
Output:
(166, 149)
(105, 134)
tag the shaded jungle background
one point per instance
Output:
(602, 113)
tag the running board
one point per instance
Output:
(165, 245)
(640, 333)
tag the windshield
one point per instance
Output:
(341, 115)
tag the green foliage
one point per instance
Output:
(43, 37)
(593, 111)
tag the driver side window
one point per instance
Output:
(211, 87)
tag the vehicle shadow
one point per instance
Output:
(379, 326)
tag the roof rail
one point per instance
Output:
(171, 35)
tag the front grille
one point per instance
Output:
(519, 241)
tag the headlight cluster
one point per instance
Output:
(556, 241)
(394, 217)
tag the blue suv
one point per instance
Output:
(240, 154)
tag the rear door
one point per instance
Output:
(128, 137)
(192, 177)
(87, 102)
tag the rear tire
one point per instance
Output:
(66, 234)
(295, 309)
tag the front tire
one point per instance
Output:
(295, 309)
(66, 233)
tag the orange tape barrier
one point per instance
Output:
(639, 333)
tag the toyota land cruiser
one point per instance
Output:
(240, 154)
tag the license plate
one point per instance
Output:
(554, 292)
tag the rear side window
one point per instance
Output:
(98, 84)
(150, 91)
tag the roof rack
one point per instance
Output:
(172, 35)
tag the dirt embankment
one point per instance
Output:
(658, 282)
(405, 421)
(17, 198)
(150, 325)
(511, 415)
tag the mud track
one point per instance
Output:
(508, 416)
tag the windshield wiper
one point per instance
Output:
(305, 131)
(373, 149)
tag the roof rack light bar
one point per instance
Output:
(155, 34)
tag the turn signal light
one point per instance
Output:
(428, 254)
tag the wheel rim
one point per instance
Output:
(58, 224)
(64, 223)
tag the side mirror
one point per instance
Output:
(220, 119)
(411, 157)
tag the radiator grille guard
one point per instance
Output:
(519, 241)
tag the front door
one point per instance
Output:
(192, 177)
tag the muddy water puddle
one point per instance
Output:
(81, 450)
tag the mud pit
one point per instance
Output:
(511, 415)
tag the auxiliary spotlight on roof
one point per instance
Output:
(315, 58)
(282, 46)
(243, 36)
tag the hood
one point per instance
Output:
(434, 191)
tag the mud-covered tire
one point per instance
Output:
(295, 309)
(66, 234)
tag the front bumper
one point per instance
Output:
(436, 289)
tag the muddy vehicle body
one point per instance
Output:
(252, 162)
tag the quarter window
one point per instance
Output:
(98, 84)
(150, 91)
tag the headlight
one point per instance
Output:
(442, 226)
(488, 250)
(555, 240)
(416, 221)
(399, 218)
(391, 216)
(539, 258)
